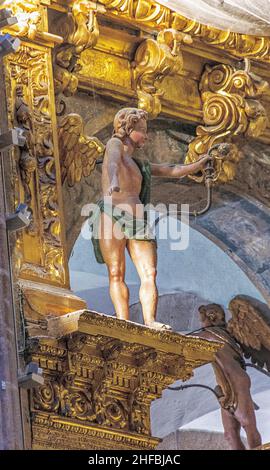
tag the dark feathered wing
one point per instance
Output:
(250, 326)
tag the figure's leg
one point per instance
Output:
(245, 412)
(144, 256)
(112, 245)
(253, 436)
(232, 430)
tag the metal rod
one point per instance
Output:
(183, 387)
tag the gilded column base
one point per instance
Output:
(101, 375)
(54, 433)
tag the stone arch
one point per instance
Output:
(236, 223)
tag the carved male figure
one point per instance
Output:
(125, 187)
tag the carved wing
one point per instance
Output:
(250, 326)
(78, 152)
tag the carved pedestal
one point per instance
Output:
(101, 375)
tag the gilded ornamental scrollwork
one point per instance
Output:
(231, 109)
(152, 15)
(80, 31)
(154, 60)
(32, 21)
(240, 45)
(142, 11)
(29, 15)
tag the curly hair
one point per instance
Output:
(214, 313)
(125, 121)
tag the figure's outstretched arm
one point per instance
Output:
(173, 170)
(114, 149)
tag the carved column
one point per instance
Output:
(39, 256)
(10, 417)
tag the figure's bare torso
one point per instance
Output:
(130, 181)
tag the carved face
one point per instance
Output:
(139, 134)
(212, 315)
(131, 122)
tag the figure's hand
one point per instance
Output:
(204, 159)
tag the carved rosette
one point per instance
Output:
(30, 106)
(154, 60)
(231, 109)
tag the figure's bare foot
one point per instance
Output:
(159, 326)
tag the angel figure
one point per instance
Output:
(246, 334)
(119, 221)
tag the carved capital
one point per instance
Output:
(29, 16)
(106, 373)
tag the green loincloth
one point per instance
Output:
(132, 227)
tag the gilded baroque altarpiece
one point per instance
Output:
(99, 384)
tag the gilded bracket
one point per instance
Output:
(154, 60)
(80, 31)
(231, 109)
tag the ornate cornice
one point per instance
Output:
(153, 16)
